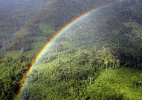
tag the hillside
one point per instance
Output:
(13, 16)
(98, 58)
(101, 61)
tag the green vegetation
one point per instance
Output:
(117, 84)
(101, 60)
(17, 60)
(12, 70)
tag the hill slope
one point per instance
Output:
(92, 56)
(94, 62)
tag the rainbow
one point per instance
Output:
(23, 31)
(49, 43)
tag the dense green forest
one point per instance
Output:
(98, 59)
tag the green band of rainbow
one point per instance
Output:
(49, 43)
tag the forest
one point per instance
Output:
(98, 59)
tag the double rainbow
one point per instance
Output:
(49, 43)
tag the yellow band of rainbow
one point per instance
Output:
(49, 43)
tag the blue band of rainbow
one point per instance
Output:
(49, 43)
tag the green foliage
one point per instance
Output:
(87, 63)
(116, 85)
(12, 70)
(46, 29)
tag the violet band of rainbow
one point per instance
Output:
(49, 43)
